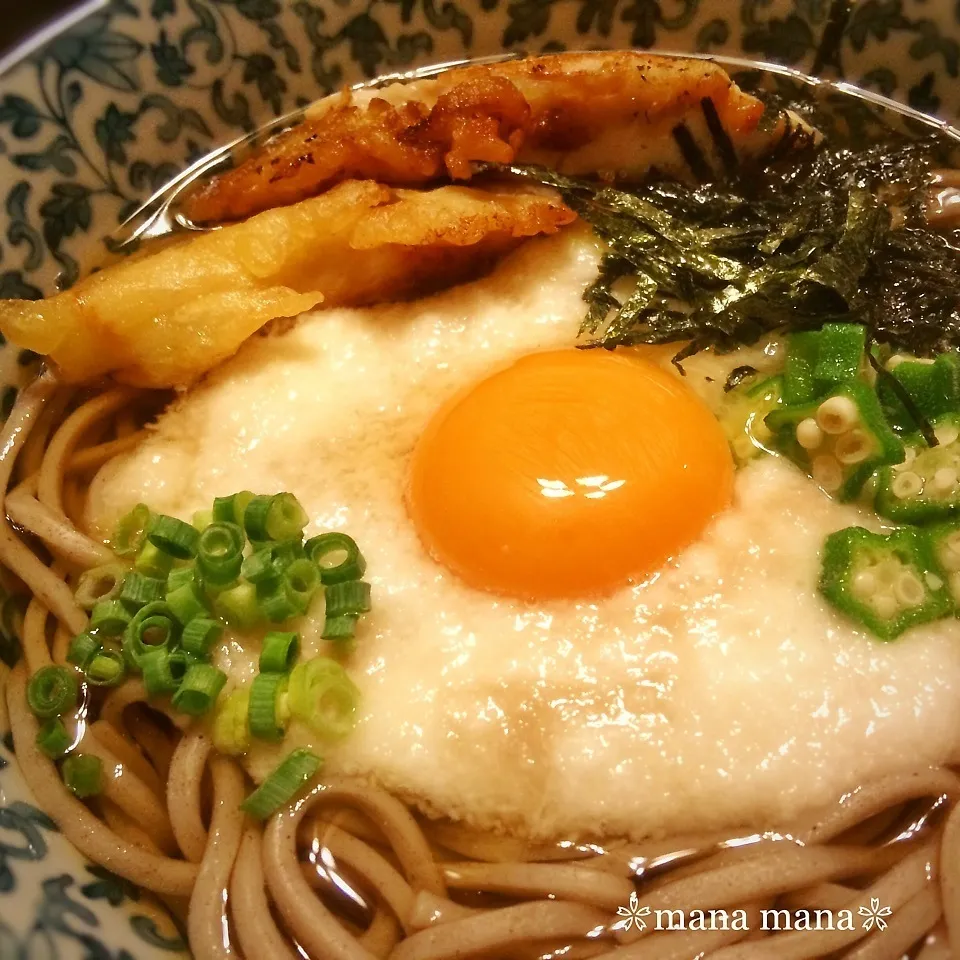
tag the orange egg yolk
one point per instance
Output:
(569, 474)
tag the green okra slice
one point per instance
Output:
(933, 387)
(944, 539)
(840, 439)
(925, 487)
(884, 582)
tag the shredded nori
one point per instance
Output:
(837, 234)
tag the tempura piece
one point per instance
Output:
(164, 318)
(610, 114)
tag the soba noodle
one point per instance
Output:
(349, 872)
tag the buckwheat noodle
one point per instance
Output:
(349, 872)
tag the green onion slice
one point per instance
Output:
(153, 562)
(280, 787)
(186, 602)
(301, 580)
(99, 584)
(52, 691)
(109, 617)
(179, 576)
(231, 509)
(276, 604)
(163, 671)
(82, 649)
(199, 689)
(173, 537)
(337, 556)
(349, 598)
(231, 731)
(53, 740)
(279, 517)
(131, 531)
(153, 626)
(239, 606)
(200, 635)
(220, 552)
(138, 590)
(266, 714)
(339, 628)
(279, 652)
(261, 567)
(82, 774)
(107, 668)
(322, 695)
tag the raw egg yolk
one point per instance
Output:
(568, 474)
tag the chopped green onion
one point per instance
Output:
(162, 671)
(131, 531)
(82, 774)
(239, 607)
(261, 567)
(173, 537)
(322, 695)
(82, 649)
(340, 628)
(110, 617)
(153, 562)
(298, 767)
(276, 603)
(99, 584)
(301, 580)
(231, 732)
(178, 576)
(202, 519)
(199, 689)
(107, 668)
(351, 597)
(187, 603)
(138, 590)
(266, 720)
(337, 556)
(52, 691)
(279, 517)
(286, 551)
(231, 509)
(53, 740)
(153, 626)
(200, 635)
(220, 552)
(279, 652)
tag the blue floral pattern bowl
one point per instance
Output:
(108, 105)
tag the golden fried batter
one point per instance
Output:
(611, 114)
(164, 318)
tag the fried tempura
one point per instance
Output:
(615, 115)
(164, 318)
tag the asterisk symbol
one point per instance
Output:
(633, 914)
(874, 915)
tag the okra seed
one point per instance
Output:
(884, 606)
(932, 581)
(864, 585)
(952, 542)
(949, 559)
(946, 434)
(909, 455)
(827, 473)
(887, 571)
(906, 485)
(909, 590)
(852, 447)
(809, 435)
(895, 361)
(837, 415)
(944, 480)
